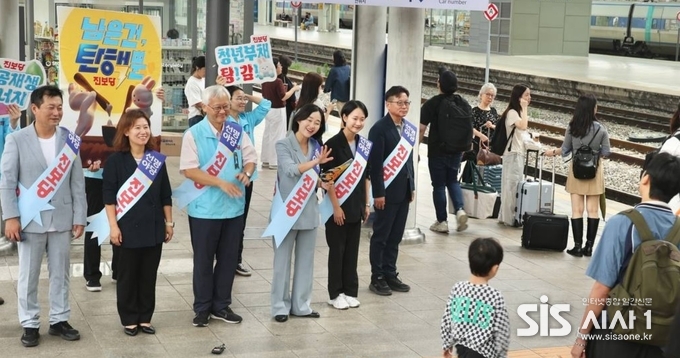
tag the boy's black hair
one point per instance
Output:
(484, 254)
(42, 91)
(663, 171)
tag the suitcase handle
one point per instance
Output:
(540, 182)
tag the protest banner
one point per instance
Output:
(110, 63)
(247, 63)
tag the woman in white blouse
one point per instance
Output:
(516, 121)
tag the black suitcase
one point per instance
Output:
(545, 230)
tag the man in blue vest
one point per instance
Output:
(216, 216)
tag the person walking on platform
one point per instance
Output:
(450, 119)
(215, 203)
(584, 130)
(484, 116)
(49, 212)
(348, 201)
(139, 229)
(338, 80)
(247, 120)
(194, 88)
(275, 121)
(310, 92)
(294, 217)
(515, 118)
(393, 188)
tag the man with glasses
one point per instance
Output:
(393, 188)
(221, 169)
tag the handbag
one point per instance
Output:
(487, 157)
(478, 198)
(585, 161)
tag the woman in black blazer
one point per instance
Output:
(141, 232)
(343, 229)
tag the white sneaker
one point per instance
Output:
(442, 227)
(461, 217)
(351, 301)
(339, 303)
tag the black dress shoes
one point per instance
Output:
(314, 314)
(131, 331)
(281, 318)
(148, 329)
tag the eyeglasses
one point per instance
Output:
(490, 95)
(241, 99)
(401, 103)
(220, 108)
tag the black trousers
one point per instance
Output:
(136, 288)
(465, 352)
(214, 240)
(343, 254)
(388, 229)
(195, 119)
(249, 195)
(93, 252)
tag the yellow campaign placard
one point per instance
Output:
(110, 63)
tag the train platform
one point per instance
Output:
(401, 325)
(643, 75)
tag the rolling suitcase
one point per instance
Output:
(532, 195)
(543, 229)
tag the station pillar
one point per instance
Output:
(335, 16)
(9, 29)
(216, 34)
(405, 55)
(368, 61)
(262, 11)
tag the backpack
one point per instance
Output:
(454, 125)
(500, 138)
(651, 282)
(585, 160)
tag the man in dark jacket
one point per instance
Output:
(443, 159)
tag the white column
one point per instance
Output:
(405, 54)
(368, 61)
(9, 29)
(262, 12)
(335, 18)
(322, 17)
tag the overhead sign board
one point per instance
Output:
(474, 5)
(296, 4)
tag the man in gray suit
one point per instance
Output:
(28, 154)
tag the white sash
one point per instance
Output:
(129, 194)
(349, 180)
(230, 138)
(285, 214)
(396, 161)
(36, 199)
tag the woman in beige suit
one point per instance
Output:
(296, 155)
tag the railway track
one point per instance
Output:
(649, 121)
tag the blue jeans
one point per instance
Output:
(444, 175)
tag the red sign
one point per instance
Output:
(296, 4)
(677, 16)
(491, 12)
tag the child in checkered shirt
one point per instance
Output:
(475, 321)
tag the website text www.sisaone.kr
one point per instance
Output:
(618, 337)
